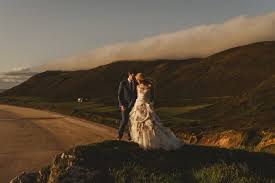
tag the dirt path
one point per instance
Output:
(31, 138)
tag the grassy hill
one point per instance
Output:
(224, 100)
(231, 90)
(228, 73)
(114, 161)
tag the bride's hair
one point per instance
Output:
(144, 80)
(148, 81)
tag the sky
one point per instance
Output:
(36, 32)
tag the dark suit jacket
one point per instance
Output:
(127, 94)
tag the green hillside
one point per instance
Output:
(231, 90)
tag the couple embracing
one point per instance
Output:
(136, 98)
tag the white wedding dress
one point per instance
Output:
(145, 127)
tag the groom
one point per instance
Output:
(127, 95)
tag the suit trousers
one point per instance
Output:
(123, 123)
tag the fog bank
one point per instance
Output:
(199, 41)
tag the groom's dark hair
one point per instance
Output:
(131, 71)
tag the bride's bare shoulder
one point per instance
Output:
(144, 86)
(139, 85)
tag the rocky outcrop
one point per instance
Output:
(26, 177)
(64, 170)
(42, 176)
(267, 140)
(226, 139)
(250, 139)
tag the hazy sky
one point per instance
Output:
(33, 32)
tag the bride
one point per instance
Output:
(145, 126)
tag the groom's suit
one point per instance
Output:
(127, 95)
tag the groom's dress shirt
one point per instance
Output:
(131, 84)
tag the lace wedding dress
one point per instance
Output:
(145, 126)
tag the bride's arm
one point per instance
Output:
(132, 103)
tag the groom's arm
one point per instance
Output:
(120, 95)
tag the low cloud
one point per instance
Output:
(200, 41)
(15, 77)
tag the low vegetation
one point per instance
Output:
(224, 100)
(186, 121)
(106, 114)
(120, 162)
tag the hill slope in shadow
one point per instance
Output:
(238, 82)
(114, 161)
(228, 73)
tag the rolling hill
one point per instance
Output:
(228, 73)
(233, 89)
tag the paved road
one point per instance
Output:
(31, 138)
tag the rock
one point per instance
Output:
(268, 139)
(26, 178)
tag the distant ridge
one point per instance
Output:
(244, 74)
(230, 72)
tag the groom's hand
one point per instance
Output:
(122, 108)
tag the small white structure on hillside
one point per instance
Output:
(80, 100)
(83, 99)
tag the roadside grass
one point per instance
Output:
(179, 110)
(106, 114)
(175, 117)
(170, 116)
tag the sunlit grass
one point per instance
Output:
(181, 110)
(216, 173)
(222, 172)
